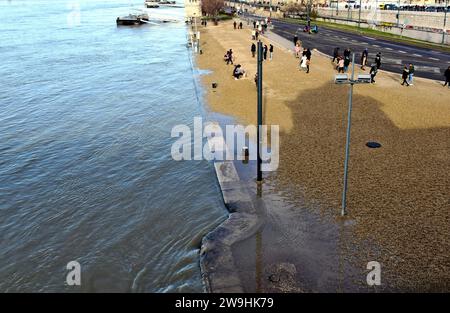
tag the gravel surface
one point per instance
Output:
(399, 194)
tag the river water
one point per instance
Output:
(86, 174)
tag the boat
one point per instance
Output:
(169, 3)
(162, 3)
(151, 4)
(133, 19)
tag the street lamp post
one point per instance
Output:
(343, 79)
(359, 15)
(270, 10)
(348, 11)
(259, 112)
(398, 14)
(197, 40)
(309, 14)
(445, 21)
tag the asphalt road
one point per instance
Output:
(428, 63)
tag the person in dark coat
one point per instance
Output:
(295, 39)
(347, 52)
(378, 60)
(270, 52)
(405, 75)
(253, 50)
(229, 56)
(265, 49)
(364, 56)
(234, 24)
(238, 72)
(308, 54)
(373, 73)
(336, 54)
(346, 63)
(254, 24)
(447, 77)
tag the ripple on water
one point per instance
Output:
(85, 167)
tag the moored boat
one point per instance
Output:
(132, 19)
(150, 4)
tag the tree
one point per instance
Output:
(295, 8)
(212, 7)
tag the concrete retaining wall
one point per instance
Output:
(411, 18)
(435, 36)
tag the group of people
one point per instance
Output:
(343, 62)
(408, 74)
(305, 60)
(262, 25)
(228, 57)
(236, 25)
(309, 29)
(304, 54)
(238, 71)
(265, 50)
(255, 34)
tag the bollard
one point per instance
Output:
(245, 154)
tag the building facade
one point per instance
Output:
(193, 8)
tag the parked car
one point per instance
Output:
(390, 7)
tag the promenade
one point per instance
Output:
(398, 202)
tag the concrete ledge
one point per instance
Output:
(216, 259)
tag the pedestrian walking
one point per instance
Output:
(265, 49)
(346, 63)
(411, 74)
(270, 52)
(254, 24)
(240, 25)
(336, 54)
(303, 63)
(373, 73)
(378, 60)
(364, 56)
(297, 50)
(447, 77)
(340, 66)
(347, 52)
(234, 24)
(253, 50)
(256, 34)
(229, 56)
(405, 75)
(308, 54)
(295, 39)
(253, 34)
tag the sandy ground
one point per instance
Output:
(399, 195)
